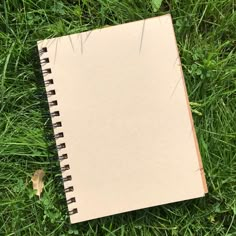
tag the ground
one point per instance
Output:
(206, 36)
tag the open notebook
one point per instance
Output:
(121, 118)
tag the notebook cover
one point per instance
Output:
(128, 136)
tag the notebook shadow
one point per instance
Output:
(151, 219)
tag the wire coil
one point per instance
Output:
(51, 92)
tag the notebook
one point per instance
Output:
(121, 118)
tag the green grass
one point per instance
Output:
(206, 35)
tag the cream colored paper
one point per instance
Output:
(125, 116)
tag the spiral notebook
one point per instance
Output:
(121, 118)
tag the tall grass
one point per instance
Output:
(206, 35)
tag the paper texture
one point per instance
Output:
(125, 116)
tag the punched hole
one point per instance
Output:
(65, 167)
(69, 189)
(57, 124)
(63, 157)
(48, 70)
(71, 200)
(55, 113)
(51, 92)
(49, 81)
(67, 178)
(59, 135)
(53, 103)
(74, 211)
(62, 145)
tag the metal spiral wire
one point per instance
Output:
(55, 125)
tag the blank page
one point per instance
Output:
(125, 117)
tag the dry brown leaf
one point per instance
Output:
(37, 180)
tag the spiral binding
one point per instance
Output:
(55, 125)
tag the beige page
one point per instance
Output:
(126, 119)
